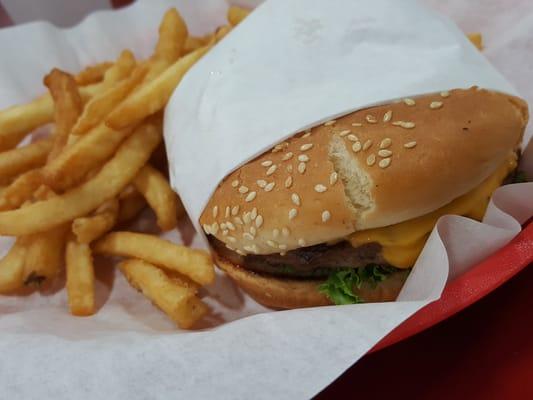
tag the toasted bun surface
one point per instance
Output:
(296, 293)
(368, 169)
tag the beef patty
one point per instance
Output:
(306, 262)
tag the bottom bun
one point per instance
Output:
(286, 293)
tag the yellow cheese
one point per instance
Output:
(402, 243)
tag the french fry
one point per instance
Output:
(12, 267)
(106, 184)
(44, 255)
(121, 69)
(67, 107)
(80, 278)
(152, 96)
(476, 39)
(23, 159)
(155, 188)
(20, 190)
(102, 104)
(92, 74)
(130, 207)
(90, 228)
(178, 302)
(221, 33)
(193, 263)
(237, 14)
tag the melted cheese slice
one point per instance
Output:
(402, 243)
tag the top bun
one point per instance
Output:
(371, 168)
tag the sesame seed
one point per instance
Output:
(289, 168)
(385, 143)
(371, 119)
(243, 189)
(303, 158)
(253, 214)
(231, 239)
(320, 188)
(306, 134)
(250, 196)
(285, 231)
(295, 199)
(215, 211)
(330, 122)
(333, 178)
(385, 162)
(287, 156)
(353, 138)
(273, 244)
(409, 102)
(371, 160)
(387, 116)
(240, 252)
(207, 228)
(344, 132)
(235, 183)
(259, 221)
(288, 182)
(277, 148)
(367, 144)
(225, 232)
(229, 247)
(251, 249)
(445, 94)
(271, 170)
(261, 183)
(230, 226)
(356, 147)
(435, 104)
(306, 146)
(214, 227)
(226, 214)
(275, 232)
(293, 212)
(326, 215)
(282, 247)
(270, 186)
(238, 220)
(404, 124)
(223, 225)
(410, 145)
(253, 231)
(301, 242)
(266, 163)
(281, 253)
(384, 153)
(357, 124)
(301, 167)
(248, 236)
(246, 217)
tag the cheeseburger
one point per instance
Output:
(339, 213)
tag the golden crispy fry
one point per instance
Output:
(194, 263)
(130, 207)
(192, 43)
(155, 188)
(221, 33)
(93, 73)
(44, 256)
(102, 104)
(67, 107)
(237, 14)
(172, 36)
(90, 228)
(179, 303)
(152, 96)
(20, 190)
(122, 68)
(80, 278)
(476, 39)
(23, 159)
(12, 267)
(106, 184)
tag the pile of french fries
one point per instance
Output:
(63, 195)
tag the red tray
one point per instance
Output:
(469, 287)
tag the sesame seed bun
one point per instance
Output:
(296, 293)
(371, 168)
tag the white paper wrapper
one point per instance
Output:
(129, 350)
